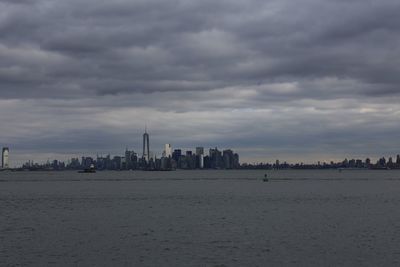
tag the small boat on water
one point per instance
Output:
(91, 169)
(265, 178)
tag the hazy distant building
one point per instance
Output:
(167, 151)
(86, 162)
(74, 164)
(117, 162)
(390, 162)
(190, 160)
(146, 146)
(5, 164)
(104, 163)
(177, 154)
(200, 157)
(153, 155)
(200, 161)
(236, 162)
(199, 150)
(206, 162)
(352, 163)
(277, 164)
(359, 163)
(382, 162)
(166, 163)
(216, 160)
(131, 160)
(228, 159)
(128, 163)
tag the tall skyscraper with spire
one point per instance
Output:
(146, 145)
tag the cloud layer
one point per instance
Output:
(297, 80)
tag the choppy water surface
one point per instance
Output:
(200, 218)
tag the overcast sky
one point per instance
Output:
(295, 80)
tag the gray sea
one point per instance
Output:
(200, 218)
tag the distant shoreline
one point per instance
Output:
(242, 169)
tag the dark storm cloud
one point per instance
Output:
(131, 46)
(320, 69)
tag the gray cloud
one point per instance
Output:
(291, 79)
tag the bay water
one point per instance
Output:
(200, 218)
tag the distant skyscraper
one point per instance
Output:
(177, 154)
(146, 146)
(199, 150)
(236, 162)
(200, 157)
(167, 151)
(216, 160)
(5, 164)
(228, 159)
(130, 159)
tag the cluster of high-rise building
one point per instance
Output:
(199, 158)
(380, 164)
(170, 159)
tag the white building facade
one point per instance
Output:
(5, 163)
(167, 151)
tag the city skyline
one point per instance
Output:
(270, 79)
(132, 159)
(190, 160)
(167, 149)
(171, 159)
